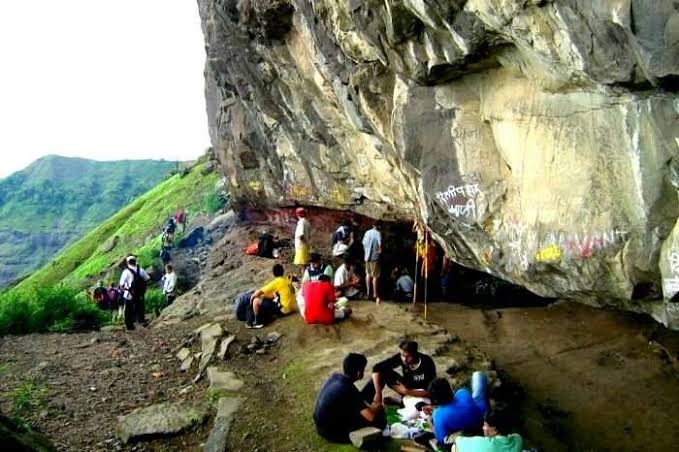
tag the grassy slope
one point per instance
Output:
(137, 227)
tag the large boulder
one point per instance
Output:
(536, 139)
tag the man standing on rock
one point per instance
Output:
(302, 239)
(372, 247)
(133, 282)
(341, 408)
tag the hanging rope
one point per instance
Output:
(426, 271)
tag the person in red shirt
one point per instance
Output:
(319, 302)
(180, 218)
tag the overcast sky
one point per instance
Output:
(100, 79)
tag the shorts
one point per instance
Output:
(372, 268)
(302, 254)
(270, 308)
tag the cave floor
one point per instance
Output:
(592, 379)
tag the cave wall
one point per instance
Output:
(537, 139)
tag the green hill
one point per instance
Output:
(56, 199)
(134, 229)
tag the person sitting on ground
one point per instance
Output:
(275, 299)
(404, 286)
(316, 268)
(169, 284)
(319, 302)
(372, 247)
(496, 436)
(459, 412)
(417, 371)
(302, 238)
(342, 238)
(341, 408)
(346, 282)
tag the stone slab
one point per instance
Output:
(223, 380)
(365, 436)
(160, 419)
(226, 409)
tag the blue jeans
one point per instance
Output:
(480, 391)
(268, 311)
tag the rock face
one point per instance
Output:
(535, 138)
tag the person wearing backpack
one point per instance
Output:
(341, 239)
(133, 282)
(115, 302)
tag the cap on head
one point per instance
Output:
(315, 257)
(300, 211)
(130, 259)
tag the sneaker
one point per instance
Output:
(254, 326)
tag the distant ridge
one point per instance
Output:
(55, 200)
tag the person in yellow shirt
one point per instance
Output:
(276, 298)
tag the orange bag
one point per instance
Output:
(252, 249)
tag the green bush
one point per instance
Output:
(213, 203)
(56, 308)
(154, 300)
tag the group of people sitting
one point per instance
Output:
(461, 420)
(321, 299)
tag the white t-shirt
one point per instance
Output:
(127, 277)
(303, 230)
(169, 282)
(343, 276)
(405, 284)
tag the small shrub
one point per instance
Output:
(154, 301)
(28, 397)
(213, 203)
(56, 308)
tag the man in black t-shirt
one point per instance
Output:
(341, 408)
(417, 371)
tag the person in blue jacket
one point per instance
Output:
(462, 411)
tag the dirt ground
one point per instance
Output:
(90, 379)
(594, 380)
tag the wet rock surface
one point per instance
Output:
(535, 138)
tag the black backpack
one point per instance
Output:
(265, 246)
(138, 286)
(341, 234)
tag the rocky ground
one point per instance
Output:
(82, 383)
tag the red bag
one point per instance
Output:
(252, 249)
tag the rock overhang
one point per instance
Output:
(536, 139)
